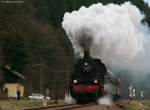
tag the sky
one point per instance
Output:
(148, 1)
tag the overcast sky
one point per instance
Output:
(148, 1)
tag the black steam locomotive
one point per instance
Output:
(91, 80)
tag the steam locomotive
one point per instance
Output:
(91, 80)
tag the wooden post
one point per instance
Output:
(55, 92)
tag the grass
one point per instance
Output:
(22, 104)
(19, 105)
(147, 103)
(138, 105)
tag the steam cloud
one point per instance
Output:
(69, 99)
(113, 33)
(106, 100)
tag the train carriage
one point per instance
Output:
(112, 85)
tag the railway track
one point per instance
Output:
(74, 107)
(62, 107)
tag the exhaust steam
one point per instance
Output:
(113, 33)
(69, 99)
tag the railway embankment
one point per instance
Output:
(38, 105)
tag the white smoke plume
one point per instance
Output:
(113, 33)
(69, 99)
(106, 100)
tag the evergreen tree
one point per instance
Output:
(14, 52)
(53, 10)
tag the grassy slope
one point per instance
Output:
(136, 105)
(14, 105)
(20, 105)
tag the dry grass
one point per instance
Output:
(18, 105)
(147, 103)
(138, 105)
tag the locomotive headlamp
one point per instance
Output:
(75, 81)
(95, 81)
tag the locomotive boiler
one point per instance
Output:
(91, 80)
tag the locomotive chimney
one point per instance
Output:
(86, 54)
